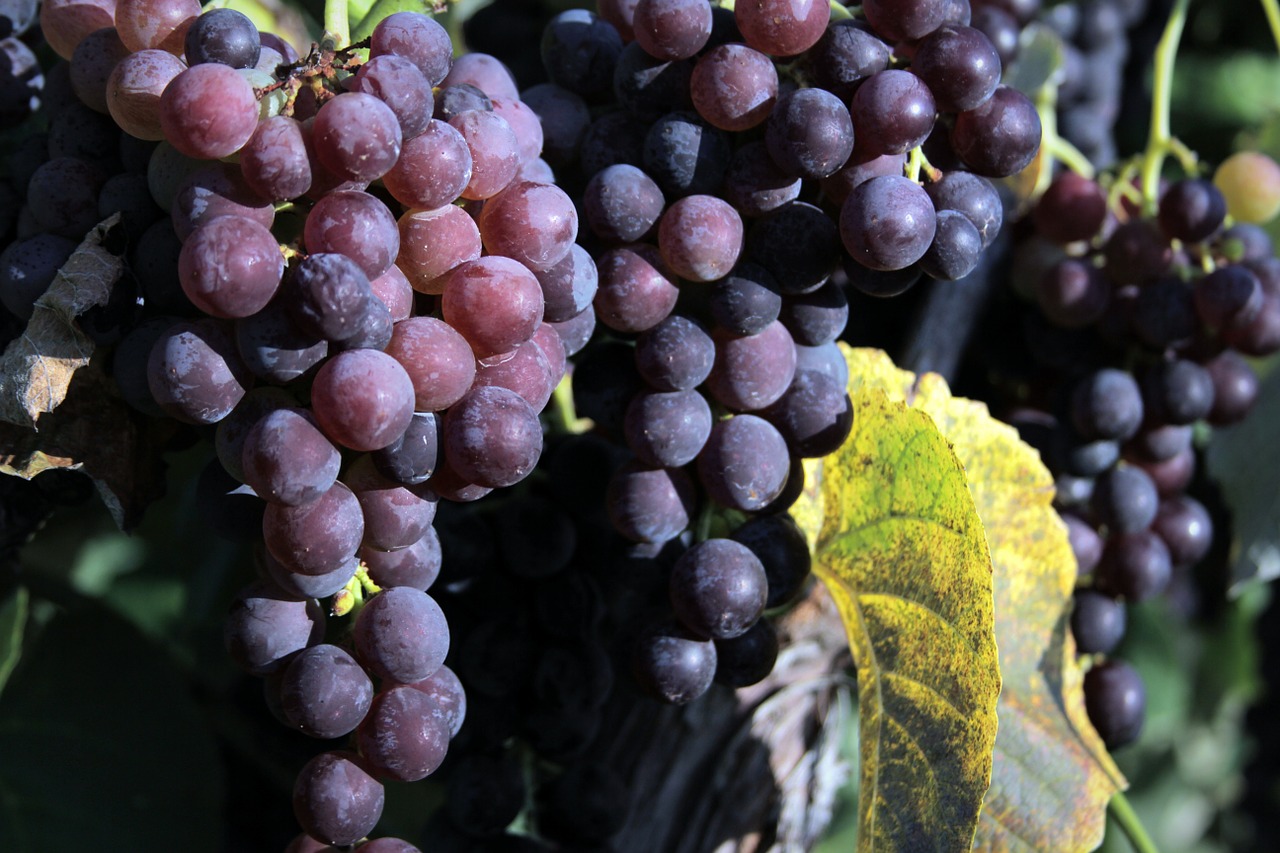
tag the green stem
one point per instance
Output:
(1129, 823)
(1272, 10)
(703, 531)
(1068, 154)
(915, 162)
(1159, 140)
(337, 26)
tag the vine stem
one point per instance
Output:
(1160, 141)
(1128, 820)
(1272, 10)
(337, 27)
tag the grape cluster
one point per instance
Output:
(737, 171)
(339, 272)
(1140, 327)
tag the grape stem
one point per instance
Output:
(1160, 142)
(839, 12)
(917, 163)
(337, 27)
(563, 412)
(1272, 10)
(1127, 819)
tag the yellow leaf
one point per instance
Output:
(902, 551)
(1052, 777)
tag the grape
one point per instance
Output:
(287, 460)
(782, 27)
(356, 225)
(960, 66)
(405, 736)
(783, 551)
(493, 302)
(129, 195)
(904, 20)
(650, 504)
(328, 296)
(356, 136)
(972, 195)
(230, 267)
(700, 237)
(1250, 183)
(955, 249)
(302, 586)
(28, 267)
(418, 38)
(569, 286)
(1177, 392)
(65, 23)
(1137, 252)
(527, 372)
(718, 588)
(734, 87)
(887, 223)
(1107, 404)
(564, 117)
(401, 634)
(387, 844)
(440, 363)
(826, 359)
(1072, 208)
(231, 432)
(579, 51)
(1228, 298)
(746, 300)
(685, 155)
(844, 56)
(264, 627)
(673, 664)
(798, 244)
(1086, 544)
(395, 516)
(748, 659)
(433, 243)
(394, 291)
(1235, 388)
(492, 437)
(62, 196)
(1125, 499)
(363, 399)
(619, 13)
(575, 332)
(1164, 314)
(1072, 293)
(446, 691)
(416, 566)
(1000, 137)
(274, 349)
(893, 112)
(195, 373)
(810, 134)
(1191, 210)
(225, 36)
(147, 24)
(635, 288)
(1157, 444)
(744, 464)
(675, 355)
(672, 29)
(667, 429)
(1097, 622)
(528, 130)
(336, 799)
(754, 184)
(1136, 566)
(485, 72)
(814, 415)
(91, 65)
(494, 148)
(212, 191)
(533, 223)
(615, 137)
(860, 169)
(318, 537)
(1116, 701)
(208, 111)
(648, 87)
(401, 85)
(324, 692)
(433, 170)
(621, 204)
(1261, 336)
(1186, 528)
(752, 371)
(457, 99)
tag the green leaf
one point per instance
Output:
(1041, 61)
(1051, 777)
(13, 621)
(450, 13)
(103, 748)
(902, 552)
